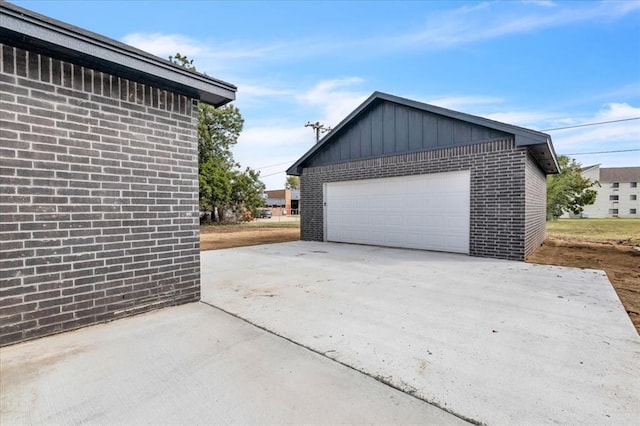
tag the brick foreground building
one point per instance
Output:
(98, 177)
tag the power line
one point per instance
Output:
(591, 124)
(604, 152)
(274, 165)
(273, 174)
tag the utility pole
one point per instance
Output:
(318, 128)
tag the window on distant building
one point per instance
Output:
(633, 197)
(634, 184)
(615, 185)
(632, 211)
(613, 197)
(613, 211)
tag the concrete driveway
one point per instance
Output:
(191, 364)
(493, 341)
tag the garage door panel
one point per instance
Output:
(395, 219)
(424, 211)
(395, 238)
(452, 222)
(419, 221)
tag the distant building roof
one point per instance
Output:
(619, 174)
(29, 30)
(280, 193)
(584, 169)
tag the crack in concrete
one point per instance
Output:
(384, 380)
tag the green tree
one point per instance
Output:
(292, 182)
(246, 192)
(223, 186)
(218, 131)
(569, 191)
(183, 61)
(215, 180)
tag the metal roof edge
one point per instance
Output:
(529, 135)
(64, 38)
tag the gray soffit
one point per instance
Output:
(23, 28)
(538, 143)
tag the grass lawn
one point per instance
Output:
(611, 229)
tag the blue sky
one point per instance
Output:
(537, 64)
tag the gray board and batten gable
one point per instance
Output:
(387, 125)
(38, 33)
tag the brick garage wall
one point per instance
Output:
(497, 191)
(99, 209)
(535, 205)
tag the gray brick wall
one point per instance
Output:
(497, 192)
(535, 206)
(99, 209)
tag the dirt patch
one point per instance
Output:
(621, 262)
(214, 238)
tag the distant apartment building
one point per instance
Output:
(617, 194)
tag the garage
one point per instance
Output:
(428, 211)
(401, 173)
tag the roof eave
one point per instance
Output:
(67, 40)
(543, 151)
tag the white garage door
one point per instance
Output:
(429, 212)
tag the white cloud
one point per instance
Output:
(598, 139)
(328, 101)
(283, 137)
(617, 111)
(627, 91)
(164, 45)
(250, 90)
(272, 149)
(260, 96)
(221, 59)
(528, 119)
(444, 29)
(333, 98)
(168, 44)
(486, 21)
(274, 136)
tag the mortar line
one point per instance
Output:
(322, 354)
